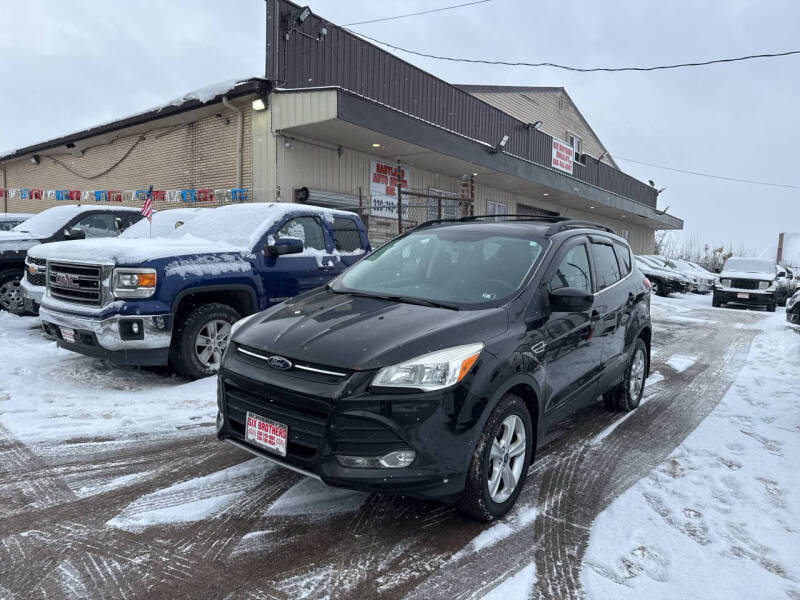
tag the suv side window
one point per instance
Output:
(308, 229)
(346, 235)
(623, 257)
(573, 271)
(605, 265)
(98, 225)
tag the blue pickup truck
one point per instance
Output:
(173, 300)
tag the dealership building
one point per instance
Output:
(337, 121)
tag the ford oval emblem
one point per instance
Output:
(280, 363)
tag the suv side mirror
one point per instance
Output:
(284, 245)
(570, 300)
(74, 234)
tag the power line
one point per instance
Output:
(414, 14)
(754, 182)
(506, 63)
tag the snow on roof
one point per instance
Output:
(163, 224)
(47, 222)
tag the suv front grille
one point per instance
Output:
(76, 283)
(305, 416)
(744, 284)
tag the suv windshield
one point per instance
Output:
(451, 266)
(749, 265)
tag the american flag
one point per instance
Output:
(147, 207)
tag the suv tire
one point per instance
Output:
(11, 292)
(508, 419)
(209, 323)
(771, 307)
(715, 302)
(628, 394)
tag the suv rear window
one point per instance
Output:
(346, 235)
(623, 257)
(605, 265)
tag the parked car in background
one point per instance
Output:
(748, 282)
(174, 299)
(793, 309)
(791, 275)
(782, 285)
(434, 366)
(663, 281)
(10, 220)
(703, 272)
(688, 274)
(164, 222)
(705, 281)
(59, 223)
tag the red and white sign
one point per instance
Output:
(267, 434)
(384, 178)
(563, 156)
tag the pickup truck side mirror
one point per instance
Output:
(74, 234)
(284, 245)
(570, 300)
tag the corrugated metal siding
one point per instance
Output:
(342, 59)
(300, 109)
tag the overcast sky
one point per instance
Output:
(70, 65)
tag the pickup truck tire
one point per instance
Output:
(505, 449)
(628, 394)
(11, 292)
(771, 307)
(200, 338)
(657, 287)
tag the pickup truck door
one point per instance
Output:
(291, 274)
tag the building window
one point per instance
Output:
(496, 208)
(576, 143)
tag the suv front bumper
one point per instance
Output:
(745, 297)
(112, 338)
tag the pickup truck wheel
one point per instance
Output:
(628, 394)
(715, 303)
(11, 292)
(500, 462)
(771, 307)
(200, 339)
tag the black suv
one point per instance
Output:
(433, 366)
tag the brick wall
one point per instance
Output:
(198, 154)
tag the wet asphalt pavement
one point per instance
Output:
(278, 535)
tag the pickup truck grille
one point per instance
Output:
(744, 284)
(76, 283)
(38, 277)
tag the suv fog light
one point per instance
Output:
(135, 328)
(394, 460)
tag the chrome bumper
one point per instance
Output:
(35, 292)
(107, 330)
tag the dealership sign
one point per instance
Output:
(384, 179)
(563, 156)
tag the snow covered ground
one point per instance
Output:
(112, 484)
(720, 517)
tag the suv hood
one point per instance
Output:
(355, 332)
(747, 275)
(16, 241)
(133, 252)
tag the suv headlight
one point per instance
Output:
(725, 282)
(133, 283)
(434, 371)
(763, 285)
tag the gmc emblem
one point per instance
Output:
(65, 280)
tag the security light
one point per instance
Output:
(35, 160)
(376, 145)
(650, 181)
(535, 125)
(304, 13)
(258, 104)
(500, 145)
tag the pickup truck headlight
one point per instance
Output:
(763, 285)
(725, 282)
(434, 371)
(133, 283)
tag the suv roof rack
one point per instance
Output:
(558, 223)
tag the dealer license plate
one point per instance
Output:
(742, 296)
(68, 334)
(267, 434)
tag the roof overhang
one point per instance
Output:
(176, 113)
(341, 118)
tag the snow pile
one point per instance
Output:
(718, 519)
(681, 362)
(193, 500)
(207, 93)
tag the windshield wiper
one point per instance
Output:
(396, 298)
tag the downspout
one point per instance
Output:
(239, 135)
(4, 187)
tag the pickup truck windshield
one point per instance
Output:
(448, 266)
